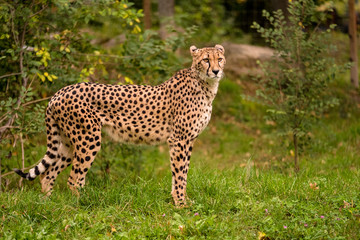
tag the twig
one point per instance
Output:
(6, 127)
(38, 12)
(21, 57)
(10, 74)
(11, 120)
(3, 117)
(22, 158)
(16, 37)
(35, 101)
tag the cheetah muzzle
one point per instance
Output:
(176, 111)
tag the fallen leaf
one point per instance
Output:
(262, 236)
(314, 186)
(66, 227)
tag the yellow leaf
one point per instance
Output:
(3, 36)
(41, 77)
(46, 74)
(128, 80)
(125, 6)
(53, 76)
(137, 20)
(62, 47)
(301, 25)
(96, 52)
(67, 49)
(292, 153)
(136, 29)
(261, 235)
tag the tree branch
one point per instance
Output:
(35, 101)
(15, 36)
(34, 14)
(10, 74)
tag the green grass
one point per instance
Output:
(227, 204)
(241, 185)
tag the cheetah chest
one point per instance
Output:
(204, 117)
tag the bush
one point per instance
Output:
(295, 85)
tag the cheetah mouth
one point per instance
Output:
(218, 77)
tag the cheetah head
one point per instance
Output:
(209, 62)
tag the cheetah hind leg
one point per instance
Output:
(84, 156)
(48, 178)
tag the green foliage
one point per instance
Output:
(46, 45)
(42, 42)
(295, 85)
(209, 16)
(148, 59)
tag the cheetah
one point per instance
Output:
(176, 112)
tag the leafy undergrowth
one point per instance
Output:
(241, 185)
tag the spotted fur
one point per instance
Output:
(176, 112)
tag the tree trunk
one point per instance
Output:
(166, 15)
(296, 160)
(353, 44)
(147, 13)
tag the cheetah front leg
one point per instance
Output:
(180, 152)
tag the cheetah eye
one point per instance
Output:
(220, 59)
(206, 60)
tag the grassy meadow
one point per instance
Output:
(241, 185)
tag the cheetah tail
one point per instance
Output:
(23, 175)
(40, 168)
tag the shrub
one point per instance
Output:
(295, 85)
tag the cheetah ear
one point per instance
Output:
(193, 50)
(220, 48)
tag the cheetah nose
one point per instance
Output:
(215, 71)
